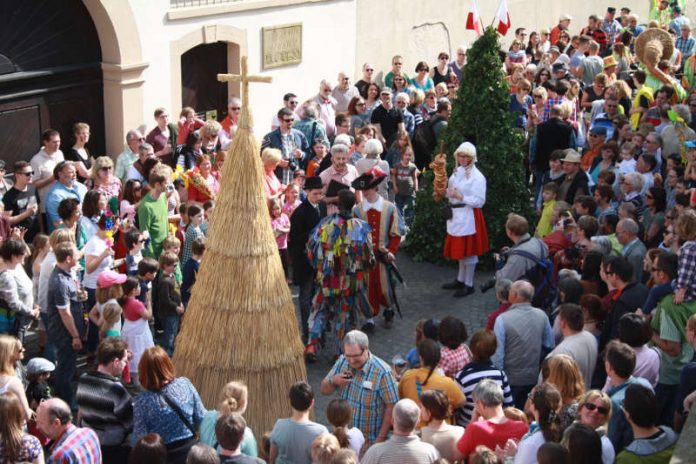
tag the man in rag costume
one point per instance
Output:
(340, 249)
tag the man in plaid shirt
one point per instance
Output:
(367, 383)
(71, 445)
(685, 43)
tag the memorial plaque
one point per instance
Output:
(282, 45)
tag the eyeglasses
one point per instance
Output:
(27, 174)
(353, 356)
(369, 70)
(360, 104)
(600, 409)
(346, 79)
(293, 102)
(288, 120)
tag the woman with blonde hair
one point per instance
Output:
(15, 445)
(563, 373)
(103, 179)
(271, 157)
(623, 93)
(78, 153)
(324, 447)
(595, 411)
(11, 351)
(233, 398)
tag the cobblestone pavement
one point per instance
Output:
(421, 298)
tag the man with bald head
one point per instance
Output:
(367, 72)
(70, 444)
(404, 446)
(344, 92)
(524, 338)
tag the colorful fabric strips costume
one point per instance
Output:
(340, 249)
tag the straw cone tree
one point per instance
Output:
(240, 323)
(481, 115)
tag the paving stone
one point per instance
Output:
(420, 298)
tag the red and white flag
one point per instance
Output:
(503, 17)
(473, 19)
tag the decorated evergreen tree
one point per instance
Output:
(480, 115)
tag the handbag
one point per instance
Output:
(447, 208)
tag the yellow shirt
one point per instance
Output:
(409, 389)
(544, 227)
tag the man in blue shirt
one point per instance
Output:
(66, 187)
(685, 43)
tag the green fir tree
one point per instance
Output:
(480, 115)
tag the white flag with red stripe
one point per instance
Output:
(473, 19)
(503, 17)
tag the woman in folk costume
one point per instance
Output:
(387, 228)
(340, 249)
(467, 236)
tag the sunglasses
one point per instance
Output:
(369, 70)
(360, 104)
(235, 108)
(287, 120)
(600, 409)
(28, 174)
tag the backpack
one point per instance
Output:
(540, 275)
(423, 144)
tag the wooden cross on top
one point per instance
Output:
(244, 78)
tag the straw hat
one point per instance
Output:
(572, 156)
(653, 45)
(610, 61)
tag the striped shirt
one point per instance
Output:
(469, 377)
(373, 388)
(105, 406)
(76, 446)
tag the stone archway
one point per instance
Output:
(236, 40)
(122, 66)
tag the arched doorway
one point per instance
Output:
(200, 88)
(50, 76)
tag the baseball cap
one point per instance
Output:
(108, 278)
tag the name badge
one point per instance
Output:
(367, 385)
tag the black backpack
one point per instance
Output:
(423, 144)
(541, 276)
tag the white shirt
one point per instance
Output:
(377, 205)
(95, 247)
(43, 164)
(473, 190)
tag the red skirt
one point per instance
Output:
(468, 245)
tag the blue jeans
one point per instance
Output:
(307, 290)
(170, 325)
(66, 365)
(50, 347)
(92, 328)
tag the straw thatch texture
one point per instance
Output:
(240, 322)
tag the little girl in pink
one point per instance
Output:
(136, 330)
(292, 199)
(280, 222)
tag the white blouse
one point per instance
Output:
(473, 189)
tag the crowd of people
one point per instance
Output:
(587, 358)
